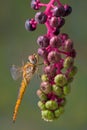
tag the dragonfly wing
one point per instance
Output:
(16, 72)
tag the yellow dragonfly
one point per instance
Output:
(27, 71)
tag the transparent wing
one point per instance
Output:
(16, 72)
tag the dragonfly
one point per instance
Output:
(26, 71)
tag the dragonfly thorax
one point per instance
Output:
(28, 70)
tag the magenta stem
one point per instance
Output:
(63, 52)
(49, 29)
(49, 6)
(42, 4)
(47, 12)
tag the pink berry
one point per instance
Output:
(55, 41)
(68, 45)
(43, 41)
(54, 57)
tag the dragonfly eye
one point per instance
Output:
(32, 59)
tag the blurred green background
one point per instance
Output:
(16, 44)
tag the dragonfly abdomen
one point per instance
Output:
(20, 95)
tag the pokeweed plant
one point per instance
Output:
(58, 54)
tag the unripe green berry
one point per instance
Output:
(51, 105)
(60, 79)
(41, 105)
(47, 115)
(68, 62)
(57, 90)
(73, 71)
(59, 111)
(44, 77)
(66, 89)
(41, 95)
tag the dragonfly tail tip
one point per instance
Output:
(13, 121)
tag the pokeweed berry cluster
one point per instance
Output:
(58, 53)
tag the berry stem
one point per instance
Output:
(49, 29)
(63, 52)
(57, 50)
(42, 4)
(49, 5)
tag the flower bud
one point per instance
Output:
(42, 52)
(44, 77)
(57, 90)
(68, 45)
(47, 115)
(51, 105)
(43, 41)
(68, 62)
(54, 57)
(55, 42)
(41, 105)
(66, 89)
(59, 111)
(50, 70)
(45, 87)
(73, 72)
(41, 95)
(60, 79)
(63, 37)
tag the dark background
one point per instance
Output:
(16, 44)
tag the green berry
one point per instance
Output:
(59, 111)
(44, 77)
(66, 89)
(47, 115)
(51, 105)
(41, 95)
(41, 105)
(73, 72)
(60, 79)
(57, 90)
(68, 62)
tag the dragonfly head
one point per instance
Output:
(33, 59)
